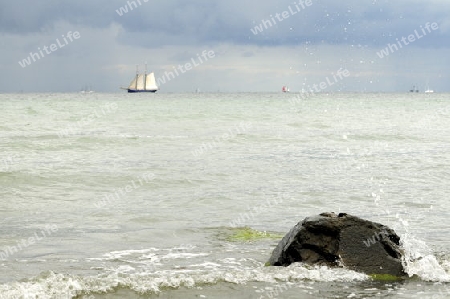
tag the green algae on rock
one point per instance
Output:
(241, 234)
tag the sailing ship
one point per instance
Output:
(414, 89)
(285, 89)
(142, 82)
(86, 89)
(428, 90)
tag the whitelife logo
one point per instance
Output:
(33, 57)
(8, 251)
(340, 75)
(405, 41)
(231, 134)
(99, 112)
(130, 4)
(266, 24)
(186, 67)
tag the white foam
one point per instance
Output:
(184, 255)
(144, 272)
(419, 260)
(51, 285)
(46, 286)
(117, 255)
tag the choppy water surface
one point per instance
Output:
(140, 196)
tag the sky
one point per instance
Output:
(226, 46)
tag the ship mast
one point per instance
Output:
(145, 77)
(137, 76)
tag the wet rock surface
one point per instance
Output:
(341, 240)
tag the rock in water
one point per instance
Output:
(336, 240)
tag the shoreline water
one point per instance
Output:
(361, 153)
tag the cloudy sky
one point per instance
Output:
(303, 46)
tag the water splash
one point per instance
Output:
(419, 260)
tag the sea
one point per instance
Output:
(172, 195)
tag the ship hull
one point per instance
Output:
(136, 91)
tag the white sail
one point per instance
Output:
(151, 82)
(133, 83)
(140, 82)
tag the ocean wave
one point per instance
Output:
(55, 285)
(158, 270)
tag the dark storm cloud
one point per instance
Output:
(158, 23)
(370, 23)
(304, 47)
(331, 22)
(25, 16)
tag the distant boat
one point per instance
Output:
(87, 89)
(414, 89)
(285, 89)
(428, 90)
(142, 82)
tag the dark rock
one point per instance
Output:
(341, 240)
